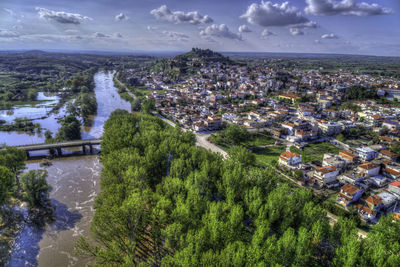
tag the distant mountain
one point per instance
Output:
(35, 52)
(203, 56)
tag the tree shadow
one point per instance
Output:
(26, 248)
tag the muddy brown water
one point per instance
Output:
(75, 183)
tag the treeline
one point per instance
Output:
(165, 201)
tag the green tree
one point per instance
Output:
(35, 188)
(241, 155)
(70, 129)
(148, 106)
(7, 182)
(235, 134)
(13, 158)
(137, 104)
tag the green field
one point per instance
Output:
(268, 154)
(143, 90)
(315, 152)
(259, 139)
(7, 78)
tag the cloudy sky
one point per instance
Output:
(309, 26)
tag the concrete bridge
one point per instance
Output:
(58, 146)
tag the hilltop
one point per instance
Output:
(190, 62)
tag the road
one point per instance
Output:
(123, 85)
(201, 138)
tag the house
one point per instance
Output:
(351, 177)
(391, 125)
(391, 172)
(388, 199)
(289, 126)
(213, 123)
(289, 159)
(378, 180)
(394, 187)
(370, 206)
(368, 169)
(329, 128)
(388, 155)
(366, 153)
(376, 120)
(334, 160)
(291, 97)
(348, 156)
(327, 174)
(348, 194)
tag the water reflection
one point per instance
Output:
(108, 100)
(27, 249)
(75, 185)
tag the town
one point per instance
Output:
(339, 130)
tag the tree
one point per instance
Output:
(241, 155)
(35, 188)
(13, 159)
(235, 134)
(70, 129)
(7, 181)
(137, 104)
(48, 135)
(148, 106)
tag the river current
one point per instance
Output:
(75, 184)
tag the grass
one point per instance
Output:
(7, 78)
(259, 139)
(143, 90)
(268, 154)
(315, 152)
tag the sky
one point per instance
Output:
(369, 27)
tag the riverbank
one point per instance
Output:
(75, 183)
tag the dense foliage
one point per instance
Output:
(70, 129)
(166, 202)
(358, 92)
(35, 187)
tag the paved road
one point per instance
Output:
(126, 88)
(201, 138)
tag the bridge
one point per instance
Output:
(58, 146)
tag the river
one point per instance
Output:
(75, 183)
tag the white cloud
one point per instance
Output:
(219, 31)
(177, 17)
(268, 14)
(61, 16)
(266, 33)
(100, 35)
(8, 34)
(329, 36)
(310, 24)
(344, 7)
(176, 36)
(296, 31)
(121, 17)
(9, 11)
(169, 35)
(244, 28)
